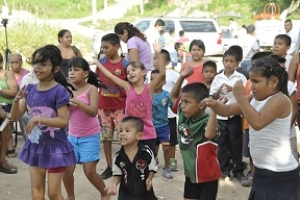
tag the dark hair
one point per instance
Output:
(209, 63)
(259, 55)
(135, 64)
(132, 31)
(268, 67)
(198, 90)
(166, 54)
(198, 43)
(159, 22)
(155, 71)
(61, 34)
(177, 45)
(111, 38)
(52, 53)
(231, 19)
(100, 53)
(181, 33)
(278, 58)
(81, 63)
(288, 20)
(232, 52)
(285, 38)
(138, 123)
(171, 31)
(238, 50)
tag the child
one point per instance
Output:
(197, 134)
(139, 94)
(112, 98)
(209, 72)
(84, 129)
(231, 137)
(134, 165)
(197, 50)
(160, 106)
(170, 48)
(48, 103)
(276, 170)
(282, 44)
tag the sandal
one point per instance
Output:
(11, 153)
(7, 168)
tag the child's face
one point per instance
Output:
(77, 75)
(196, 53)
(190, 107)
(135, 74)
(128, 134)
(181, 47)
(155, 62)
(43, 71)
(109, 50)
(209, 73)
(160, 85)
(280, 47)
(230, 63)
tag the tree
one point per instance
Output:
(294, 5)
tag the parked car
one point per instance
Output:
(227, 38)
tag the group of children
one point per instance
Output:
(142, 111)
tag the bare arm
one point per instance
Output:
(293, 67)
(133, 55)
(160, 77)
(112, 188)
(211, 128)
(293, 98)
(19, 106)
(12, 84)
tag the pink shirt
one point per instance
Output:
(23, 73)
(140, 105)
(81, 124)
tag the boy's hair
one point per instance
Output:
(285, 38)
(155, 71)
(159, 22)
(137, 122)
(177, 45)
(288, 20)
(232, 52)
(166, 54)
(209, 63)
(111, 38)
(279, 59)
(171, 31)
(239, 51)
(181, 33)
(198, 90)
(198, 43)
(259, 55)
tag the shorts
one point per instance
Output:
(56, 170)
(110, 123)
(206, 190)
(246, 148)
(163, 135)
(173, 131)
(86, 149)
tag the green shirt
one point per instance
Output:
(4, 86)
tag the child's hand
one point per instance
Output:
(209, 102)
(238, 89)
(187, 72)
(223, 99)
(74, 102)
(157, 46)
(21, 94)
(148, 184)
(92, 62)
(111, 189)
(31, 124)
(225, 89)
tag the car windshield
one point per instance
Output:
(198, 26)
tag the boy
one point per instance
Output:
(209, 72)
(111, 98)
(160, 105)
(197, 134)
(171, 78)
(170, 47)
(282, 44)
(231, 134)
(134, 165)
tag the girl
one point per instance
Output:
(138, 48)
(197, 50)
(48, 103)
(84, 129)
(139, 95)
(276, 170)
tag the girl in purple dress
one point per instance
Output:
(47, 149)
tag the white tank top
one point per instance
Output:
(270, 147)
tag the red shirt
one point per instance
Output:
(197, 76)
(113, 97)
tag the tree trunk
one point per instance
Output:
(294, 5)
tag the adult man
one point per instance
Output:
(233, 27)
(153, 33)
(293, 33)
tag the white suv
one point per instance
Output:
(207, 30)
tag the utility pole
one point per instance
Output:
(105, 4)
(94, 9)
(142, 7)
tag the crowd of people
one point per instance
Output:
(247, 109)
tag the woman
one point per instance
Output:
(67, 51)
(8, 90)
(137, 45)
(15, 62)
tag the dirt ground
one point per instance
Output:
(17, 186)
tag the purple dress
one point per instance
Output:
(54, 149)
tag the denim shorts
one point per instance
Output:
(86, 149)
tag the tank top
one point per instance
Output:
(4, 86)
(298, 83)
(270, 147)
(140, 105)
(81, 124)
(197, 76)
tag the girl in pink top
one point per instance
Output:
(139, 94)
(197, 50)
(84, 128)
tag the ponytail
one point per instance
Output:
(60, 78)
(283, 78)
(93, 80)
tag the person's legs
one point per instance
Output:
(37, 178)
(68, 180)
(209, 190)
(55, 176)
(223, 155)
(173, 143)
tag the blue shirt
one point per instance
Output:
(160, 103)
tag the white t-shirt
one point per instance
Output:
(294, 33)
(152, 36)
(288, 59)
(249, 45)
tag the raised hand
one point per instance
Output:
(21, 94)
(238, 89)
(157, 46)
(209, 102)
(187, 72)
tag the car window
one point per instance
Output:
(226, 33)
(169, 25)
(143, 25)
(198, 26)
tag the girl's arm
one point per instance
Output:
(121, 83)
(293, 98)
(293, 67)
(12, 84)
(112, 188)
(91, 109)
(160, 77)
(211, 128)
(222, 109)
(19, 106)
(133, 55)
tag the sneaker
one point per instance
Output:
(247, 182)
(225, 174)
(240, 176)
(173, 165)
(107, 173)
(167, 173)
(7, 168)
